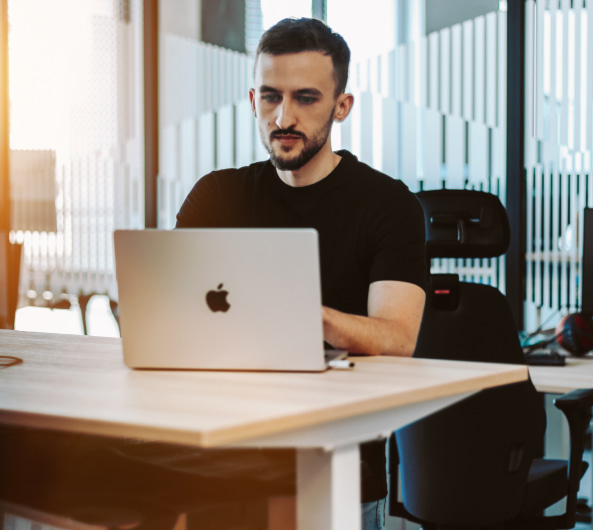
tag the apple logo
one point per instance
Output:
(217, 301)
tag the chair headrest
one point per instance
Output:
(464, 224)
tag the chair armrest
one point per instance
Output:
(576, 406)
(582, 398)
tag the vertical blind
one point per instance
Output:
(559, 144)
(431, 112)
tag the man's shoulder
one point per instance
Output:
(370, 178)
(252, 171)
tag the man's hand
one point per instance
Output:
(395, 312)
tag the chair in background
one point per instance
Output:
(474, 464)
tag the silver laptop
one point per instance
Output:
(221, 299)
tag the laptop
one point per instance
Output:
(221, 299)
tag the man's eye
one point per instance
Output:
(307, 100)
(271, 98)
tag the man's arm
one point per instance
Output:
(395, 312)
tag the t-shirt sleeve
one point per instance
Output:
(400, 239)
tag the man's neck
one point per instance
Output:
(313, 171)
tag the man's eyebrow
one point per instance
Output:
(300, 92)
(309, 92)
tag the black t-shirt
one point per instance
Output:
(371, 228)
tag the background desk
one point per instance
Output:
(80, 384)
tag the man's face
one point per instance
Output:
(294, 102)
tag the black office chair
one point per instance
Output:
(474, 464)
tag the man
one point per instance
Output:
(371, 227)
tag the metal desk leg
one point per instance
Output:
(328, 489)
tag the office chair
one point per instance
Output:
(474, 464)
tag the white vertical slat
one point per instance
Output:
(187, 155)
(491, 71)
(224, 137)
(445, 59)
(433, 156)
(539, 70)
(577, 10)
(342, 131)
(537, 233)
(193, 58)
(479, 69)
(389, 137)
(206, 143)
(245, 133)
(375, 75)
(363, 79)
(423, 77)
(402, 73)
(377, 131)
(200, 67)
(456, 70)
(468, 70)
(552, 105)
(409, 145)
(384, 75)
(565, 72)
(391, 134)
(168, 152)
(211, 78)
(391, 64)
(478, 153)
(530, 144)
(219, 72)
(547, 243)
(579, 239)
(355, 121)
(589, 108)
(455, 151)
(236, 84)
(555, 234)
(433, 71)
(411, 74)
(499, 162)
(366, 127)
(575, 212)
(563, 226)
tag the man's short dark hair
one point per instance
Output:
(294, 35)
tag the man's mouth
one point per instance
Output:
(286, 136)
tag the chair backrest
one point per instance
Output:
(468, 464)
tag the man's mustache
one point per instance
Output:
(286, 132)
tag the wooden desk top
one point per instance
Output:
(80, 384)
(577, 373)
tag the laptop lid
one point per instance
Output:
(220, 299)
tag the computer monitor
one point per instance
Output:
(587, 264)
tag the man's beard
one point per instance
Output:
(310, 147)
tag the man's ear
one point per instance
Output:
(252, 101)
(343, 106)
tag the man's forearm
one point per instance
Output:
(368, 335)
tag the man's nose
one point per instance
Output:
(286, 117)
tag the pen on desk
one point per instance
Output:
(341, 364)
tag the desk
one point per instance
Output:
(578, 373)
(80, 384)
